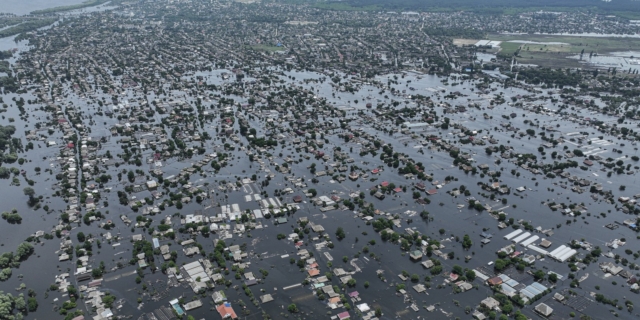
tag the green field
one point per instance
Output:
(599, 45)
(555, 55)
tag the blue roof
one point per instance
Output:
(538, 286)
(507, 289)
(533, 290)
(512, 282)
(504, 277)
(527, 293)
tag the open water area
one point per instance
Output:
(622, 61)
(27, 6)
(266, 252)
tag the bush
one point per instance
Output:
(32, 304)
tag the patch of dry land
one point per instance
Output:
(462, 42)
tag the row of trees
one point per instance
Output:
(10, 260)
(9, 304)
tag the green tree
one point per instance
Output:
(471, 275)
(5, 274)
(436, 270)
(500, 265)
(32, 304)
(466, 242)
(28, 191)
(293, 308)
(457, 270)
(20, 303)
(96, 273)
(24, 250)
(108, 300)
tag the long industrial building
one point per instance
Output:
(529, 241)
(567, 255)
(556, 250)
(521, 237)
(538, 249)
(512, 234)
(562, 253)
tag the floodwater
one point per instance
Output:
(623, 61)
(26, 6)
(266, 251)
(485, 57)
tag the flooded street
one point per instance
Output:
(266, 252)
(199, 178)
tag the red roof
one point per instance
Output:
(385, 183)
(314, 272)
(494, 281)
(432, 191)
(376, 170)
(344, 315)
(226, 311)
(398, 189)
